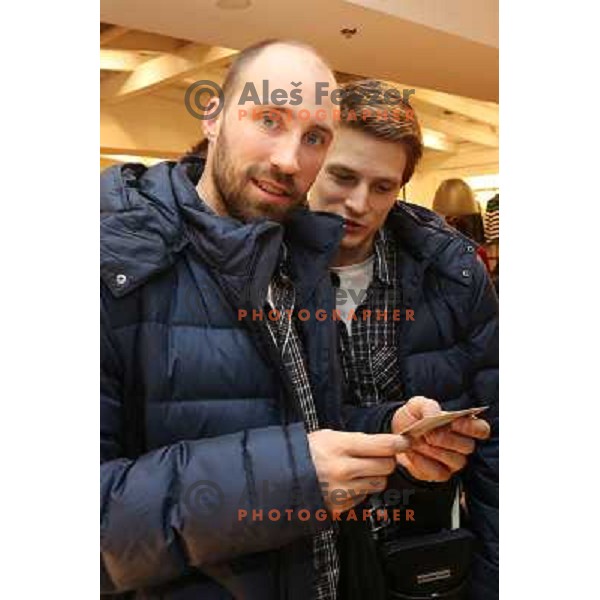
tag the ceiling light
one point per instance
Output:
(483, 182)
(434, 140)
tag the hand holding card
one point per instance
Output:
(441, 440)
(431, 422)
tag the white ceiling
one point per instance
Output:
(476, 20)
(449, 45)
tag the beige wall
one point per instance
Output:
(149, 126)
(433, 171)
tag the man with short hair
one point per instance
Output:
(216, 434)
(431, 326)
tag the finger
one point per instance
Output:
(358, 468)
(475, 428)
(427, 469)
(453, 461)
(445, 438)
(378, 444)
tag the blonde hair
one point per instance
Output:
(455, 198)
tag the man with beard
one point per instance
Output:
(204, 416)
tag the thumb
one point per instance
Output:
(414, 410)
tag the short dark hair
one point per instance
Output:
(363, 108)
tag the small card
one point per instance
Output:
(433, 422)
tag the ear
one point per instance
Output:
(212, 124)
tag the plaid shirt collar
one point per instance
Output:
(384, 252)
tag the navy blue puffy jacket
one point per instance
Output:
(450, 353)
(192, 398)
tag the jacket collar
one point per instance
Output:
(420, 232)
(152, 214)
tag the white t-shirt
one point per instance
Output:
(354, 282)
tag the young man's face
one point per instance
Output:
(360, 182)
(266, 157)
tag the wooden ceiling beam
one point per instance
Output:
(478, 133)
(120, 60)
(162, 71)
(112, 34)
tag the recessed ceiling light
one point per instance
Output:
(233, 4)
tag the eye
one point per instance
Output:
(344, 178)
(314, 138)
(270, 120)
(384, 188)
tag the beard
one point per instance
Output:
(234, 187)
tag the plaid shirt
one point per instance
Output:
(369, 355)
(284, 335)
(282, 297)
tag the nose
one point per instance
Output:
(285, 155)
(357, 200)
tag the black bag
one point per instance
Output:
(434, 565)
(426, 558)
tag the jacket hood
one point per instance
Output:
(150, 214)
(141, 228)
